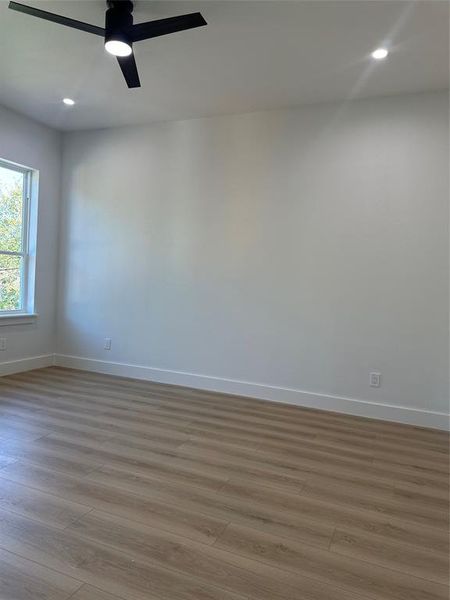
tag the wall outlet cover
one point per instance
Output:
(375, 379)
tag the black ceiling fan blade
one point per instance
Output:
(151, 29)
(129, 70)
(43, 14)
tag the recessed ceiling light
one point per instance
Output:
(69, 101)
(118, 48)
(379, 53)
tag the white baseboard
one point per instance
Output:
(26, 364)
(362, 408)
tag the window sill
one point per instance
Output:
(17, 319)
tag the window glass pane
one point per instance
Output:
(10, 282)
(11, 198)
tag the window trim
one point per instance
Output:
(26, 313)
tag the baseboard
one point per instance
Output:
(361, 408)
(26, 364)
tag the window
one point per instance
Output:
(17, 240)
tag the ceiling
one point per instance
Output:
(253, 55)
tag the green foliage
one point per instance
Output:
(10, 240)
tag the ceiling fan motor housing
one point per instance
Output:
(118, 20)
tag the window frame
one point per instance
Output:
(28, 238)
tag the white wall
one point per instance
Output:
(298, 249)
(28, 143)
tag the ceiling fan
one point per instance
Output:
(119, 32)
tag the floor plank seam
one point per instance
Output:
(75, 592)
(115, 514)
(128, 554)
(41, 564)
(277, 567)
(163, 565)
(331, 552)
(78, 519)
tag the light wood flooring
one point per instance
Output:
(115, 489)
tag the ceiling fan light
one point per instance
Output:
(380, 53)
(118, 48)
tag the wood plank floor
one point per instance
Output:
(115, 489)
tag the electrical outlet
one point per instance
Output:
(374, 379)
(2, 343)
(107, 345)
